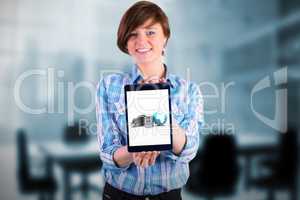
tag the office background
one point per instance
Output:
(225, 46)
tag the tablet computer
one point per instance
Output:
(148, 116)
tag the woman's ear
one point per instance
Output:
(165, 43)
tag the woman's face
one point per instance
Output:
(146, 43)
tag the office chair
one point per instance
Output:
(215, 170)
(45, 185)
(283, 169)
(74, 135)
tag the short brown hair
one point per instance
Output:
(137, 15)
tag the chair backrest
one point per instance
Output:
(75, 134)
(219, 161)
(23, 159)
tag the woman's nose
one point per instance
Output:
(142, 38)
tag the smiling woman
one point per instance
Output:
(146, 43)
(136, 16)
(143, 34)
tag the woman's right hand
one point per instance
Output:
(145, 159)
(124, 158)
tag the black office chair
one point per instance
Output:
(283, 169)
(215, 170)
(45, 185)
(76, 135)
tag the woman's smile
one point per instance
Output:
(143, 51)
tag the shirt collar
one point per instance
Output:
(137, 75)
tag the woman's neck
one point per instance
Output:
(152, 70)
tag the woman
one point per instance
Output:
(143, 34)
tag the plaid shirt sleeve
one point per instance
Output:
(192, 122)
(108, 136)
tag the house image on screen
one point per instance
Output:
(157, 119)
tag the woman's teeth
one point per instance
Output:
(143, 50)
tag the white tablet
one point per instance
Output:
(148, 115)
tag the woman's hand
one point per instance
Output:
(124, 158)
(145, 159)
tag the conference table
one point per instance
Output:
(69, 155)
(62, 154)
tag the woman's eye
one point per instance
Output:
(150, 33)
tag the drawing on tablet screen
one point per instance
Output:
(157, 119)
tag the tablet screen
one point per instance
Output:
(148, 117)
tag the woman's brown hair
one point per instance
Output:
(137, 15)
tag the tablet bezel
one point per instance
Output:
(140, 87)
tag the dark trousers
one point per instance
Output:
(111, 193)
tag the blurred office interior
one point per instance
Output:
(53, 53)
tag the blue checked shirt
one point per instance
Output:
(170, 171)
